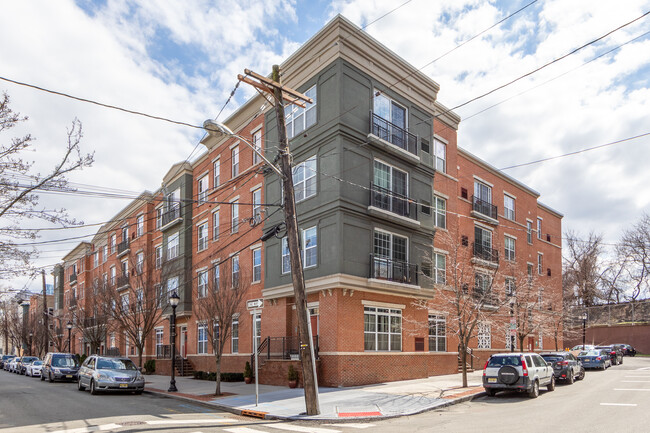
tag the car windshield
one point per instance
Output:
(65, 362)
(591, 353)
(499, 361)
(552, 358)
(38, 363)
(115, 364)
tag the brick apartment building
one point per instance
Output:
(384, 198)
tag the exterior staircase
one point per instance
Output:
(183, 367)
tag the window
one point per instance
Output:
(173, 199)
(257, 144)
(304, 179)
(483, 244)
(529, 232)
(217, 172)
(437, 333)
(382, 329)
(440, 212)
(390, 249)
(203, 189)
(235, 161)
(482, 286)
(159, 214)
(440, 155)
(509, 207)
(112, 341)
(159, 342)
(139, 262)
(310, 247)
(125, 302)
(297, 119)
(511, 287)
(104, 253)
(139, 298)
(286, 259)
(202, 283)
(202, 236)
(172, 286)
(390, 189)
(234, 216)
(482, 192)
(235, 272)
(96, 259)
(139, 225)
(257, 264)
(172, 246)
(215, 225)
(529, 271)
(390, 111)
(126, 343)
(509, 245)
(257, 204)
(125, 233)
(440, 267)
(540, 258)
(113, 243)
(484, 336)
(202, 339)
(125, 268)
(158, 257)
(539, 228)
(113, 273)
(215, 275)
(234, 333)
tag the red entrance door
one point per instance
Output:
(531, 344)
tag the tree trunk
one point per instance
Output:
(463, 362)
(217, 391)
(139, 356)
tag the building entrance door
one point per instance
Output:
(184, 341)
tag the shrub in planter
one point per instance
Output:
(292, 376)
(150, 366)
(248, 374)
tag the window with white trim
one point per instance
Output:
(139, 262)
(257, 265)
(296, 118)
(310, 247)
(257, 204)
(172, 286)
(286, 258)
(304, 179)
(234, 336)
(125, 302)
(159, 342)
(257, 145)
(234, 156)
(215, 225)
(202, 236)
(203, 189)
(202, 284)
(440, 212)
(95, 259)
(440, 268)
(202, 339)
(104, 253)
(234, 216)
(390, 188)
(508, 207)
(539, 228)
(509, 247)
(511, 286)
(235, 271)
(382, 329)
(437, 333)
(139, 225)
(113, 243)
(159, 214)
(216, 172)
(440, 153)
(159, 257)
(540, 265)
(529, 232)
(216, 276)
(173, 246)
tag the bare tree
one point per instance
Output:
(134, 301)
(57, 334)
(582, 269)
(18, 187)
(220, 299)
(91, 319)
(634, 258)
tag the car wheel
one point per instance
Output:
(570, 379)
(42, 376)
(581, 375)
(80, 387)
(534, 391)
(491, 392)
(93, 389)
(551, 386)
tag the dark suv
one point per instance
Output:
(60, 366)
(565, 366)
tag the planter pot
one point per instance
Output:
(248, 380)
(293, 383)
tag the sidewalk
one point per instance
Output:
(383, 400)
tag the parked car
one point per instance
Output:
(565, 366)
(615, 353)
(517, 371)
(107, 373)
(595, 358)
(34, 369)
(24, 362)
(60, 366)
(5, 359)
(583, 348)
(11, 365)
(631, 351)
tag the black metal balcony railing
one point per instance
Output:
(122, 246)
(387, 200)
(281, 348)
(73, 278)
(393, 270)
(485, 253)
(172, 214)
(484, 207)
(394, 134)
(123, 280)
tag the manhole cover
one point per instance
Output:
(131, 423)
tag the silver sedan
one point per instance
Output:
(106, 373)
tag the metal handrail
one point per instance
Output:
(484, 207)
(394, 134)
(393, 202)
(485, 253)
(399, 271)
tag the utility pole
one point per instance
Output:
(307, 357)
(46, 318)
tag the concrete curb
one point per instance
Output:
(268, 416)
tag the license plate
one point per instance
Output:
(124, 385)
(492, 380)
(68, 376)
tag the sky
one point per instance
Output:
(180, 60)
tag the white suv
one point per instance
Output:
(519, 372)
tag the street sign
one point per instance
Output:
(254, 304)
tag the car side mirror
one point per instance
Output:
(549, 364)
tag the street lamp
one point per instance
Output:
(584, 329)
(31, 335)
(69, 326)
(174, 299)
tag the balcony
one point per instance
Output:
(171, 217)
(382, 268)
(393, 138)
(122, 281)
(123, 248)
(73, 279)
(484, 210)
(389, 201)
(485, 253)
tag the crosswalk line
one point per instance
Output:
(243, 430)
(352, 425)
(291, 427)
